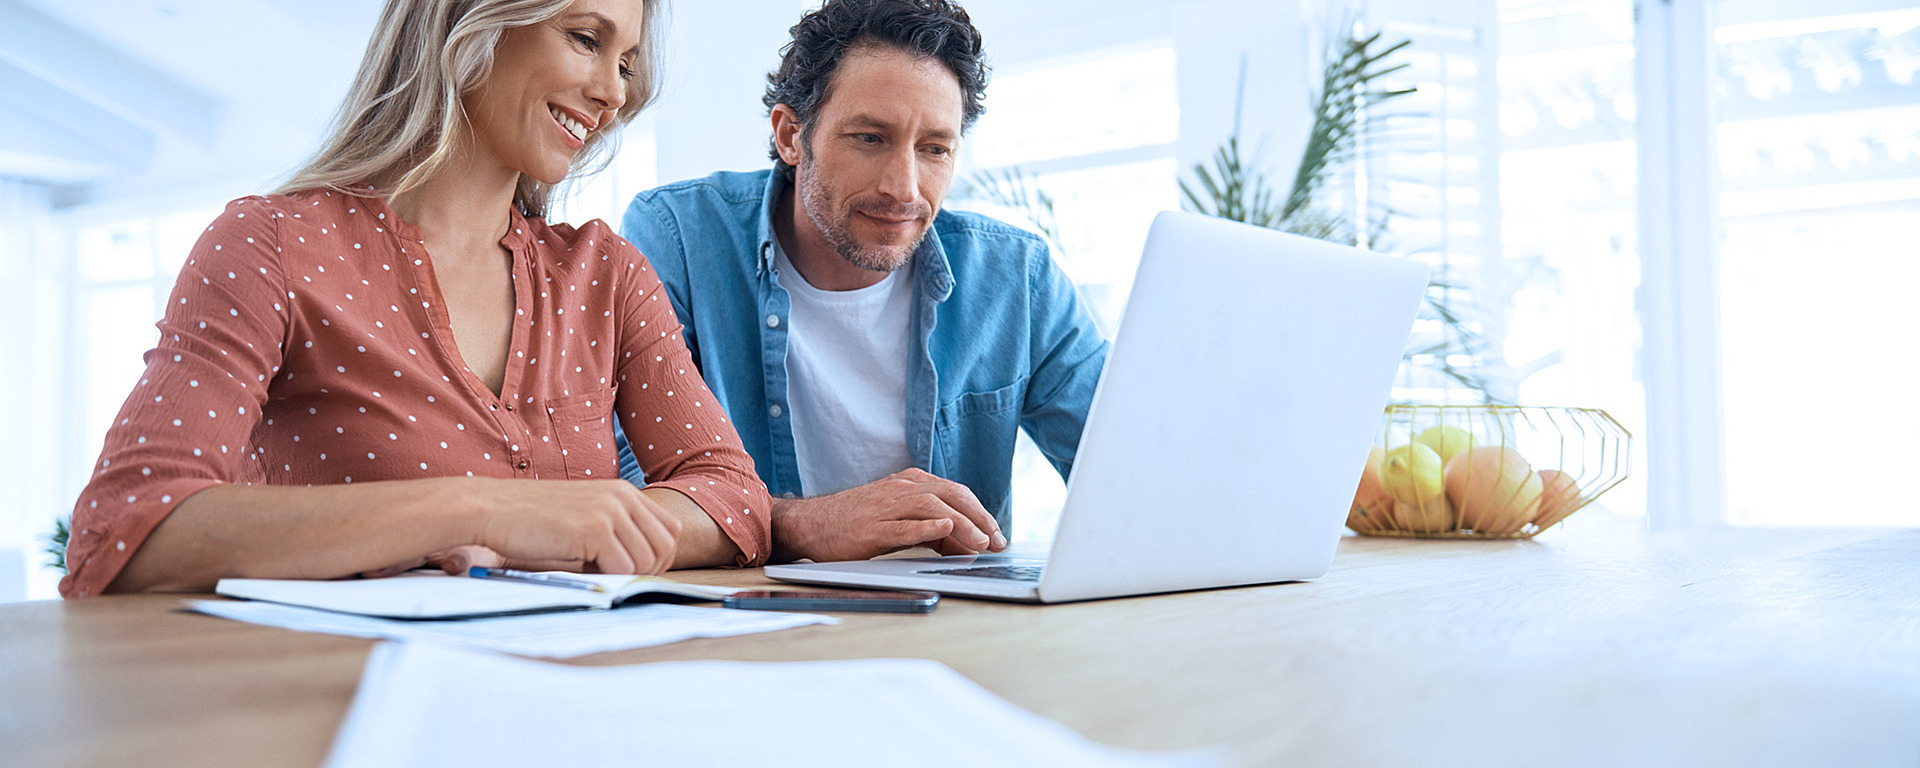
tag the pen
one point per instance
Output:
(549, 579)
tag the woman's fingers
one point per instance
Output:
(609, 525)
(393, 570)
(457, 560)
(625, 552)
(662, 535)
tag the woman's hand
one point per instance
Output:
(584, 526)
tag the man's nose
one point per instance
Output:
(900, 179)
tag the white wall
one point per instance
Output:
(710, 117)
(1211, 37)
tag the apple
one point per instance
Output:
(1494, 489)
(1559, 495)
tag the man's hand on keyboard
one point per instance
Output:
(909, 508)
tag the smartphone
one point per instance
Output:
(797, 600)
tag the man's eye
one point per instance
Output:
(939, 150)
(867, 138)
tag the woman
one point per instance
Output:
(395, 359)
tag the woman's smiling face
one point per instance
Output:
(553, 85)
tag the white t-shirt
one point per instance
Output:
(847, 379)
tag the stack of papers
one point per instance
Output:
(420, 704)
(547, 635)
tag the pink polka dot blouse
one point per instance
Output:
(305, 343)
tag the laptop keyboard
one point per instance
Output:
(1012, 572)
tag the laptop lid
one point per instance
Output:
(1230, 424)
(1234, 416)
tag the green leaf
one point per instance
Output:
(1014, 188)
(56, 548)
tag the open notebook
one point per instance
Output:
(435, 595)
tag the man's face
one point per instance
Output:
(879, 157)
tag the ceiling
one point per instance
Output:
(112, 96)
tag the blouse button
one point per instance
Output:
(509, 407)
(523, 463)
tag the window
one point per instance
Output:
(34, 301)
(1819, 146)
(1567, 221)
(122, 269)
(1055, 125)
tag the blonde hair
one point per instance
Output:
(399, 122)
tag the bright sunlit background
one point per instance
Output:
(1698, 216)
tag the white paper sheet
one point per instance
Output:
(430, 594)
(547, 635)
(420, 704)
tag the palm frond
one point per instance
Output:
(56, 546)
(1349, 127)
(1348, 92)
(1232, 189)
(1013, 188)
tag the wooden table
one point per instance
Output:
(1592, 645)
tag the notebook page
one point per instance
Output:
(623, 586)
(419, 594)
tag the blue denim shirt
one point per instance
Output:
(1001, 341)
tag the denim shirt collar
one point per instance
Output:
(770, 204)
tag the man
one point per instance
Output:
(876, 353)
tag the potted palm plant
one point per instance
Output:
(1349, 107)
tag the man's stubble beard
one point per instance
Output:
(817, 197)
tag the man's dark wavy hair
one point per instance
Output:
(933, 29)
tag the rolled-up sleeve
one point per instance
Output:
(677, 429)
(186, 426)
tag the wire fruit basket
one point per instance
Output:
(1485, 471)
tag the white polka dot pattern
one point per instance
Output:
(305, 343)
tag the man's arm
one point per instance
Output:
(1068, 355)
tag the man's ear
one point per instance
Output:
(786, 134)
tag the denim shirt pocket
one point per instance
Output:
(973, 439)
(583, 426)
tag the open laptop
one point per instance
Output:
(1228, 430)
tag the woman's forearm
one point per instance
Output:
(298, 532)
(701, 542)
